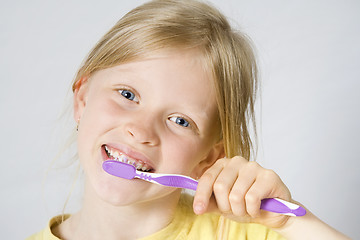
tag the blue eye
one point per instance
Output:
(180, 121)
(128, 95)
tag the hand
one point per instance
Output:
(235, 187)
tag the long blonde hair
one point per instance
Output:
(189, 24)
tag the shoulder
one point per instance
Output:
(46, 233)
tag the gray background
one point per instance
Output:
(308, 118)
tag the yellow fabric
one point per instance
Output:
(187, 225)
(46, 233)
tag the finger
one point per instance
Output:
(224, 184)
(267, 185)
(205, 188)
(246, 179)
(253, 199)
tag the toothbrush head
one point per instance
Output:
(119, 169)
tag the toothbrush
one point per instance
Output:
(127, 171)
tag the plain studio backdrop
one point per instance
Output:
(308, 118)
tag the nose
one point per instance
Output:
(142, 131)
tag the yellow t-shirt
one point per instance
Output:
(189, 226)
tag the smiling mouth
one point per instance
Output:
(116, 155)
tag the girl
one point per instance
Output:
(172, 88)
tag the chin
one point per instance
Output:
(117, 191)
(122, 192)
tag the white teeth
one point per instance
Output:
(122, 158)
(140, 166)
(117, 156)
(132, 162)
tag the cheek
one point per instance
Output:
(94, 122)
(182, 155)
(99, 113)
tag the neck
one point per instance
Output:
(100, 220)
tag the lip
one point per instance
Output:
(137, 156)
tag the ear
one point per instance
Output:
(216, 152)
(80, 97)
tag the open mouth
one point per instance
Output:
(116, 155)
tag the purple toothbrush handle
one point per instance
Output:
(177, 181)
(280, 206)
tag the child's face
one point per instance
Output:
(159, 112)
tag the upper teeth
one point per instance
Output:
(125, 159)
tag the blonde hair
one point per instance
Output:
(189, 24)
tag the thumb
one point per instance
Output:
(201, 207)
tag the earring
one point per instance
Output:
(77, 124)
